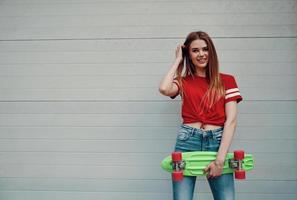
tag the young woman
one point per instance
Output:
(209, 111)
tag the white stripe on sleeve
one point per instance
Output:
(232, 90)
(232, 95)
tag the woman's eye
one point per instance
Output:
(196, 50)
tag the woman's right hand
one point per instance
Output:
(179, 53)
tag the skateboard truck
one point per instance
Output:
(178, 165)
(236, 164)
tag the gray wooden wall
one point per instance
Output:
(81, 117)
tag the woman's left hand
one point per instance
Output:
(214, 169)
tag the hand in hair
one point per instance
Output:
(179, 52)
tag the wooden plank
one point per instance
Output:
(137, 120)
(49, 2)
(84, 21)
(44, 195)
(147, 26)
(150, 44)
(96, 82)
(153, 186)
(126, 172)
(262, 160)
(145, 7)
(251, 56)
(110, 81)
(137, 107)
(138, 133)
(137, 69)
(145, 32)
(130, 94)
(130, 146)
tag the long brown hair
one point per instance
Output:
(216, 88)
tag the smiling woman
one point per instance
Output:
(199, 55)
(209, 104)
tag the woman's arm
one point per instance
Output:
(215, 168)
(229, 130)
(167, 87)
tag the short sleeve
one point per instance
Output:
(232, 90)
(177, 84)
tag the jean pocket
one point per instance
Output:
(183, 135)
(218, 136)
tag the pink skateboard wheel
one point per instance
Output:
(240, 174)
(177, 175)
(176, 156)
(239, 155)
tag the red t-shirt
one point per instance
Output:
(193, 90)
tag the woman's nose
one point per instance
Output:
(200, 53)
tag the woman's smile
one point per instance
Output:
(199, 53)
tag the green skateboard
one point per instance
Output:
(193, 163)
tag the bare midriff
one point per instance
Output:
(203, 126)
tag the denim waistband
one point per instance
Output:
(194, 130)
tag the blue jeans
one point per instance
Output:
(194, 139)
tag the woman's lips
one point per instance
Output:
(202, 61)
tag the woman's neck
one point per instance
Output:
(200, 73)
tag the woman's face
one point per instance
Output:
(198, 52)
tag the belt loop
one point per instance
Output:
(204, 134)
(212, 135)
(202, 125)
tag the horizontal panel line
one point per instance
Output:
(139, 38)
(136, 139)
(42, 3)
(153, 165)
(290, 75)
(121, 63)
(119, 101)
(137, 25)
(128, 152)
(116, 140)
(130, 140)
(161, 179)
(108, 191)
(150, 13)
(125, 113)
(134, 62)
(16, 126)
(99, 192)
(57, 88)
(108, 153)
(45, 3)
(260, 13)
(85, 51)
(89, 101)
(138, 192)
(152, 179)
(105, 165)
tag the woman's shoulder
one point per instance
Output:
(227, 77)
(186, 78)
(229, 81)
